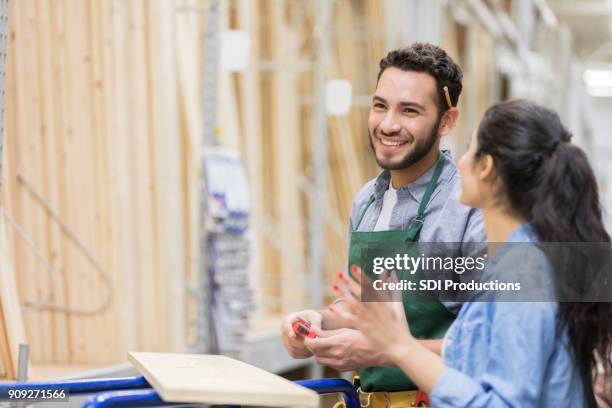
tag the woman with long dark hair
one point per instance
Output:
(533, 186)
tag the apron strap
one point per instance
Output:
(417, 223)
(370, 201)
(414, 229)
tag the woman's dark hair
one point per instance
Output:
(547, 180)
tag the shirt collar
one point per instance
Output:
(524, 233)
(417, 188)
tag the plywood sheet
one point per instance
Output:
(217, 379)
(11, 324)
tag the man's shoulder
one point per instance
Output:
(367, 191)
(362, 198)
(454, 220)
(451, 187)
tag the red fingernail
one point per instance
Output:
(336, 288)
(342, 277)
(354, 268)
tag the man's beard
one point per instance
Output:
(419, 150)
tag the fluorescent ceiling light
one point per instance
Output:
(598, 77)
(599, 92)
(598, 82)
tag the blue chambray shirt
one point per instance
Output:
(507, 354)
(447, 220)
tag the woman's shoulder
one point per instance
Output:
(522, 261)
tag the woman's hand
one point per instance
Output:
(379, 315)
(381, 318)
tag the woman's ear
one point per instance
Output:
(486, 168)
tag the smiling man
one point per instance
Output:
(415, 198)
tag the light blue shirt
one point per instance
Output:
(447, 220)
(507, 354)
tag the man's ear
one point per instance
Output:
(448, 122)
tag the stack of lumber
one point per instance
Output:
(98, 213)
(103, 172)
(11, 325)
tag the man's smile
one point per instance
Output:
(391, 142)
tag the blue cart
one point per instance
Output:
(137, 392)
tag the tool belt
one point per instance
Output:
(393, 399)
(388, 399)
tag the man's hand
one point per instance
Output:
(344, 350)
(294, 343)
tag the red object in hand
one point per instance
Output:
(303, 329)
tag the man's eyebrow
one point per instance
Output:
(406, 103)
(413, 105)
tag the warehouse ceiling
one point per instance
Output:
(591, 24)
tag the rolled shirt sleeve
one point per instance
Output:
(514, 357)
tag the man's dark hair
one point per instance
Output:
(428, 58)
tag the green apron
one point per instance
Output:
(429, 319)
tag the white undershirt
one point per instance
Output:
(389, 201)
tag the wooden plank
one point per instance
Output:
(227, 105)
(188, 35)
(271, 259)
(7, 353)
(125, 308)
(163, 111)
(248, 18)
(7, 371)
(12, 331)
(345, 177)
(32, 165)
(108, 335)
(79, 207)
(23, 128)
(291, 226)
(51, 125)
(63, 134)
(484, 66)
(217, 379)
(137, 93)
